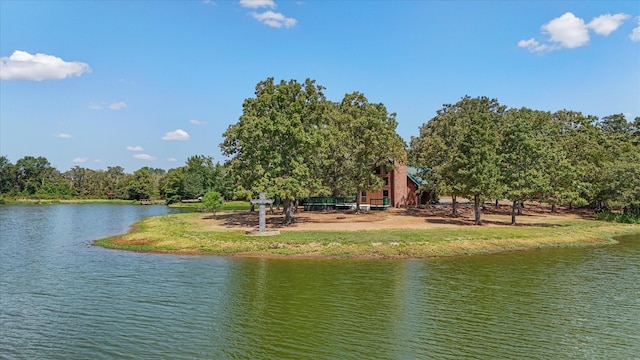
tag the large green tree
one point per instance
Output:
(142, 184)
(524, 156)
(273, 144)
(364, 138)
(459, 149)
(36, 176)
(199, 176)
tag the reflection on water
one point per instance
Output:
(61, 298)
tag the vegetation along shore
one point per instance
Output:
(396, 233)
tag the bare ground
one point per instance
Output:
(436, 216)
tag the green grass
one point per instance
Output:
(178, 233)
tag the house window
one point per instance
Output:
(386, 181)
(363, 197)
(385, 193)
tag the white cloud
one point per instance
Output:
(63, 136)
(196, 122)
(635, 33)
(533, 45)
(24, 66)
(568, 31)
(607, 23)
(135, 148)
(176, 135)
(274, 19)
(118, 105)
(80, 160)
(144, 157)
(103, 105)
(172, 159)
(256, 4)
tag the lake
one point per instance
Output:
(62, 298)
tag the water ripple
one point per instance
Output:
(61, 299)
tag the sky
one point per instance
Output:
(151, 83)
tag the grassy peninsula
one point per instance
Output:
(391, 234)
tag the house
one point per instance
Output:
(401, 189)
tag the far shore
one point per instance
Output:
(389, 234)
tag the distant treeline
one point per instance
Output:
(34, 177)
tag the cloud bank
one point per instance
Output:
(570, 32)
(24, 66)
(179, 134)
(135, 148)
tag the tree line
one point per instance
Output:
(480, 150)
(35, 177)
(291, 143)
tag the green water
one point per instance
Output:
(61, 298)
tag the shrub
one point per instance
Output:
(212, 201)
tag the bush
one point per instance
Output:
(619, 218)
(212, 201)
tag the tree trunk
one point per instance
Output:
(497, 205)
(520, 206)
(288, 211)
(358, 202)
(454, 205)
(553, 208)
(514, 208)
(476, 209)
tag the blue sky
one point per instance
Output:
(150, 83)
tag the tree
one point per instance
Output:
(33, 173)
(523, 156)
(459, 147)
(272, 145)
(115, 179)
(172, 185)
(199, 177)
(8, 176)
(212, 201)
(141, 185)
(615, 124)
(365, 138)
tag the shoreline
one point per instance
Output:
(358, 237)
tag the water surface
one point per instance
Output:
(61, 298)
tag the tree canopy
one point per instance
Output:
(290, 142)
(478, 149)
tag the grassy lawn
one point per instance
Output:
(187, 234)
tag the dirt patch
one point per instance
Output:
(436, 216)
